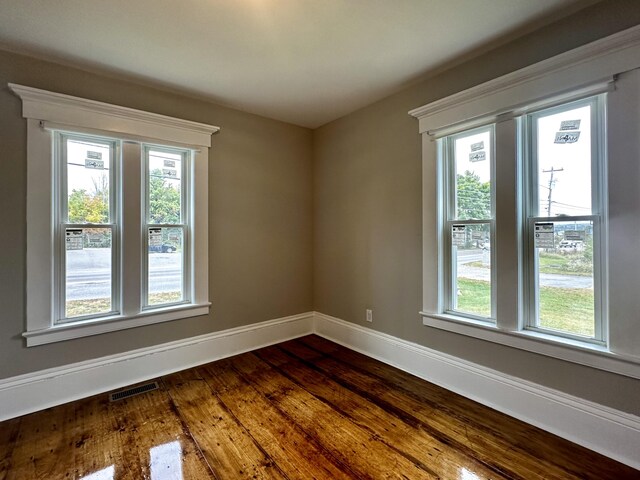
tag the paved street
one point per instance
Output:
(89, 272)
(546, 279)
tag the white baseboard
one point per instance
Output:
(604, 430)
(607, 431)
(36, 391)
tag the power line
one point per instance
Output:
(571, 206)
(90, 144)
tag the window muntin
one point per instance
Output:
(469, 223)
(564, 230)
(86, 221)
(166, 213)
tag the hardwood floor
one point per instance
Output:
(306, 408)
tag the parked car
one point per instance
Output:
(164, 248)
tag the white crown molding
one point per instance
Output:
(605, 430)
(80, 112)
(581, 66)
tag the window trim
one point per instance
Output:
(598, 215)
(186, 220)
(47, 111)
(60, 213)
(590, 355)
(449, 218)
(586, 71)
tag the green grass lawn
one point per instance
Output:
(565, 264)
(474, 296)
(570, 264)
(92, 306)
(565, 309)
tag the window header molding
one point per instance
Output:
(592, 66)
(83, 113)
(508, 113)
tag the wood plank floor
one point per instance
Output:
(306, 408)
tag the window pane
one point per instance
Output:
(565, 279)
(471, 263)
(165, 187)
(88, 189)
(165, 260)
(564, 162)
(472, 154)
(88, 271)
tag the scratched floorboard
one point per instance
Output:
(303, 409)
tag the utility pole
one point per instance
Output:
(550, 187)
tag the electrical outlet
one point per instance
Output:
(369, 315)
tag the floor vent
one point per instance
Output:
(130, 392)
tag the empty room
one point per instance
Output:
(297, 239)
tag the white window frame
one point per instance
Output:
(449, 218)
(184, 225)
(598, 216)
(48, 112)
(59, 213)
(609, 65)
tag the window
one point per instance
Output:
(116, 217)
(469, 223)
(566, 218)
(167, 226)
(544, 256)
(560, 220)
(86, 223)
(90, 227)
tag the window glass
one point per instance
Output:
(165, 260)
(166, 277)
(87, 234)
(563, 226)
(165, 187)
(88, 184)
(473, 176)
(565, 277)
(563, 150)
(469, 160)
(472, 269)
(88, 272)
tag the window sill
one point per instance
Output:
(59, 333)
(582, 353)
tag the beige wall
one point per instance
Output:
(276, 249)
(367, 213)
(259, 207)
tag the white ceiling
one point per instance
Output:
(302, 61)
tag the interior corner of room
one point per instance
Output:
(317, 228)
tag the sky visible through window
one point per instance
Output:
(466, 147)
(569, 163)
